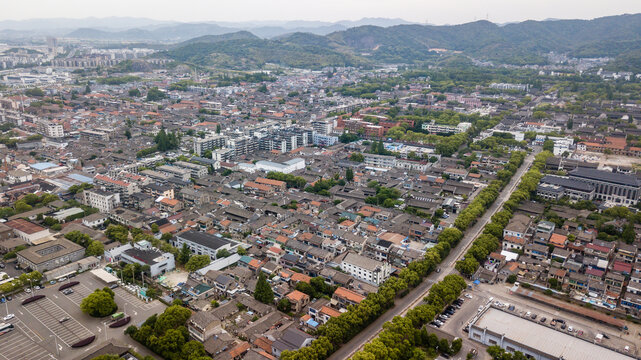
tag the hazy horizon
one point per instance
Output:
(433, 12)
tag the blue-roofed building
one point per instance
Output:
(81, 178)
(42, 166)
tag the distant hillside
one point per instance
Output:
(177, 32)
(254, 53)
(210, 39)
(518, 43)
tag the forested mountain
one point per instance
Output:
(521, 43)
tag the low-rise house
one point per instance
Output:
(343, 298)
(518, 226)
(298, 300)
(202, 325)
(291, 339)
(513, 243)
(537, 251)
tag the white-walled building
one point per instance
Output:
(102, 200)
(285, 167)
(144, 254)
(366, 269)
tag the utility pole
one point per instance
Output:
(6, 303)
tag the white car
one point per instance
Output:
(8, 317)
(27, 290)
(570, 329)
(468, 296)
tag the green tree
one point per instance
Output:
(117, 233)
(134, 92)
(155, 228)
(99, 303)
(284, 305)
(21, 206)
(349, 175)
(511, 279)
(184, 254)
(197, 262)
(128, 134)
(222, 253)
(263, 291)
(358, 157)
(241, 251)
(95, 248)
(154, 94)
(548, 145)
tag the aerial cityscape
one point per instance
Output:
(350, 181)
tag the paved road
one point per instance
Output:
(414, 298)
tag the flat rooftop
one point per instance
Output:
(558, 344)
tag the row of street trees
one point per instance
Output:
(405, 337)
(487, 196)
(489, 240)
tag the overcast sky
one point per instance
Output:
(433, 11)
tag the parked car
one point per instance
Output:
(37, 287)
(64, 319)
(605, 336)
(563, 326)
(8, 317)
(52, 282)
(27, 290)
(113, 286)
(2, 266)
(528, 314)
(533, 316)
(543, 319)
(570, 329)
(67, 291)
(9, 299)
(511, 308)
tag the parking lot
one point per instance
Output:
(21, 345)
(80, 292)
(38, 322)
(51, 315)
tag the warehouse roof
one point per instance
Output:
(555, 343)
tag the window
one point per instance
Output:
(492, 342)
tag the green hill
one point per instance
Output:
(521, 43)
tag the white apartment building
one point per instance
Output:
(366, 269)
(102, 200)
